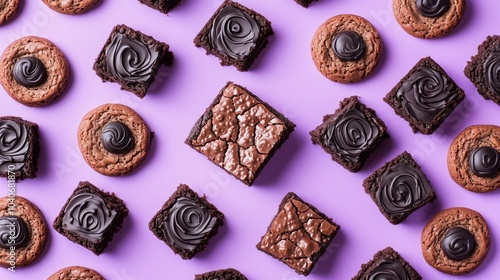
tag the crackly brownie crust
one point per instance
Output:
(186, 201)
(298, 222)
(243, 62)
(340, 135)
(246, 134)
(137, 83)
(221, 274)
(111, 203)
(163, 6)
(427, 112)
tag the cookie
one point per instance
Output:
(455, 241)
(70, 7)
(8, 9)
(346, 48)
(387, 264)
(113, 139)
(428, 19)
(76, 273)
(33, 71)
(25, 244)
(473, 158)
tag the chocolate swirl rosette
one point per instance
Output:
(388, 270)
(433, 8)
(117, 138)
(29, 72)
(458, 243)
(20, 235)
(492, 71)
(14, 145)
(348, 45)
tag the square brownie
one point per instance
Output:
(186, 222)
(222, 274)
(484, 69)
(350, 134)
(239, 132)
(425, 96)
(163, 6)
(90, 217)
(298, 235)
(19, 148)
(304, 3)
(131, 59)
(387, 264)
(235, 34)
(399, 188)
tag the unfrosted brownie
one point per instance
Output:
(163, 6)
(304, 3)
(221, 274)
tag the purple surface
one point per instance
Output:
(284, 76)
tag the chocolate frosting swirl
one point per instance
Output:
(458, 243)
(425, 93)
(388, 270)
(14, 145)
(348, 46)
(88, 216)
(484, 162)
(234, 32)
(117, 138)
(13, 232)
(187, 224)
(351, 135)
(400, 188)
(433, 8)
(491, 71)
(30, 72)
(129, 59)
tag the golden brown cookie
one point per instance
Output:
(428, 19)
(8, 9)
(455, 241)
(346, 48)
(76, 273)
(473, 159)
(113, 139)
(23, 232)
(33, 71)
(70, 7)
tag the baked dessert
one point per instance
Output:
(163, 6)
(387, 264)
(71, 7)
(304, 3)
(8, 9)
(221, 274)
(76, 273)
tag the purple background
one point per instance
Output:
(284, 76)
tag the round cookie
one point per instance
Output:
(8, 9)
(473, 159)
(428, 19)
(33, 71)
(455, 241)
(30, 235)
(76, 273)
(346, 48)
(70, 7)
(113, 139)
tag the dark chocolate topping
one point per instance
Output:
(491, 71)
(425, 93)
(458, 243)
(348, 46)
(13, 232)
(117, 138)
(88, 216)
(14, 144)
(433, 8)
(351, 135)
(388, 270)
(484, 162)
(187, 224)
(30, 72)
(234, 32)
(130, 59)
(401, 187)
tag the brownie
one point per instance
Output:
(186, 222)
(304, 3)
(484, 69)
(425, 96)
(239, 132)
(221, 274)
(19, 148)
(132, 59)
(399, 188)
(235, 34)
(350, 134)
(387, 264)
(163, 6)
(90, 217)
(298, 235)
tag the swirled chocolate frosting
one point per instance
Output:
(29, 71)
(348, 46)
(388, 270)
(433, 8)
(458, 243)
(117, 138)
(14, 145)
(13, 232)
(491, 71)
(484, 162)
